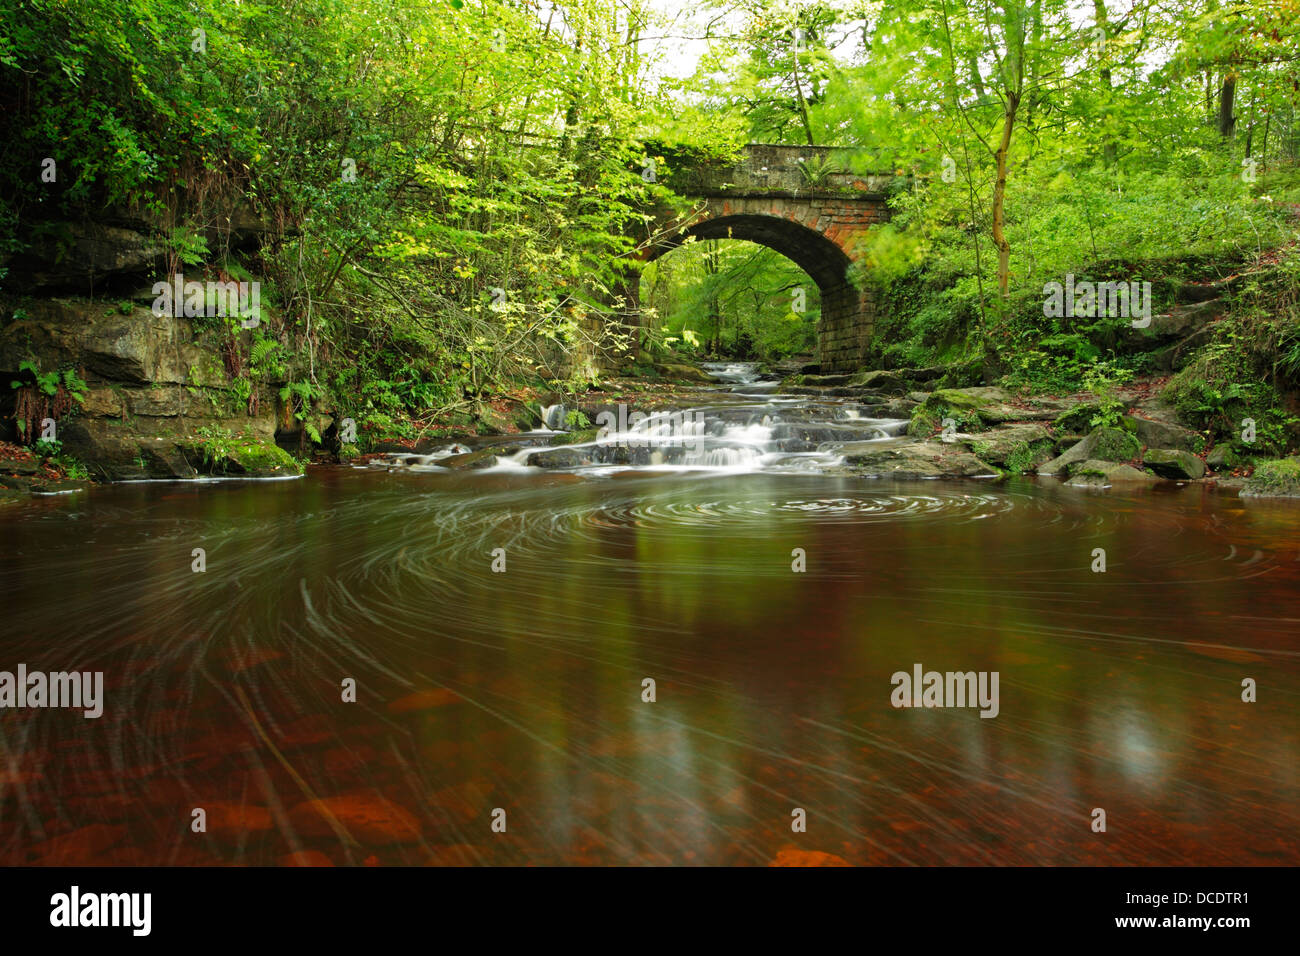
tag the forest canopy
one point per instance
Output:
(451, 193)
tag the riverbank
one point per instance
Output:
(911, 432)
(872, 425)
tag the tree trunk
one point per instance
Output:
(715, 312)
(1000, 194)
(1250, 127)
(798, 90)
(975, 78)
(1109, 149)
(1227, 92)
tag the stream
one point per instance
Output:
(498, 626)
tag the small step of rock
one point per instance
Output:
(1174, 463)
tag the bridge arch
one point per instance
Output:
(826, 263)
(799, 201)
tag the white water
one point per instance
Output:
(753, 433)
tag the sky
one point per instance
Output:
(676, 51)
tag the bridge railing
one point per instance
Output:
(795, 171)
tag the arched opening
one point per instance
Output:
(747, 286)
(730, 299)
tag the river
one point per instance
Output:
(500, 626)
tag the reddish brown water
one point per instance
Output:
(522, 690)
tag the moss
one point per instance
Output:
(222, 453)
(953, 399)
(1114, 444)
(924, 423)
(1027, 456)
(1277, 478)
(263, 458)
(1078, 420)
(928, 417)
(579, 437)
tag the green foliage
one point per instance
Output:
(224, 451)
(1026, 457)
(51, 451)
(576, 419)
(44, 395)
(1237, 378)
(730, 298)
(446, 216)
(50, 383)
(1280, 477)
(1115, 444)
(1103, 380)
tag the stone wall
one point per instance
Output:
(81, 298)
(152, 384)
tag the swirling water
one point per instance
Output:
(521, 689)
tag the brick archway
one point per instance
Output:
(800, 202)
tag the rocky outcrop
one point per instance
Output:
(118, 249)
(979, 408)
(157, 402)
(681, 372)
(1223, 458)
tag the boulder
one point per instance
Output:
(1078, 420)
(890, 383)
(1174, 463)
(1223, 458)
(819, 381)
(1101, 444)
(1159, 434)
(912, 459)
(685, 373)
(1017, 448)
(244, 456)
(1166, 327)
(1093, 473)
(558, 458)
(896, 408)
(137, 347)
(470, 461)
(971, 408)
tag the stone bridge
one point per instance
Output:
(801, 201)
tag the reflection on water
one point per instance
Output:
(522, 689)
